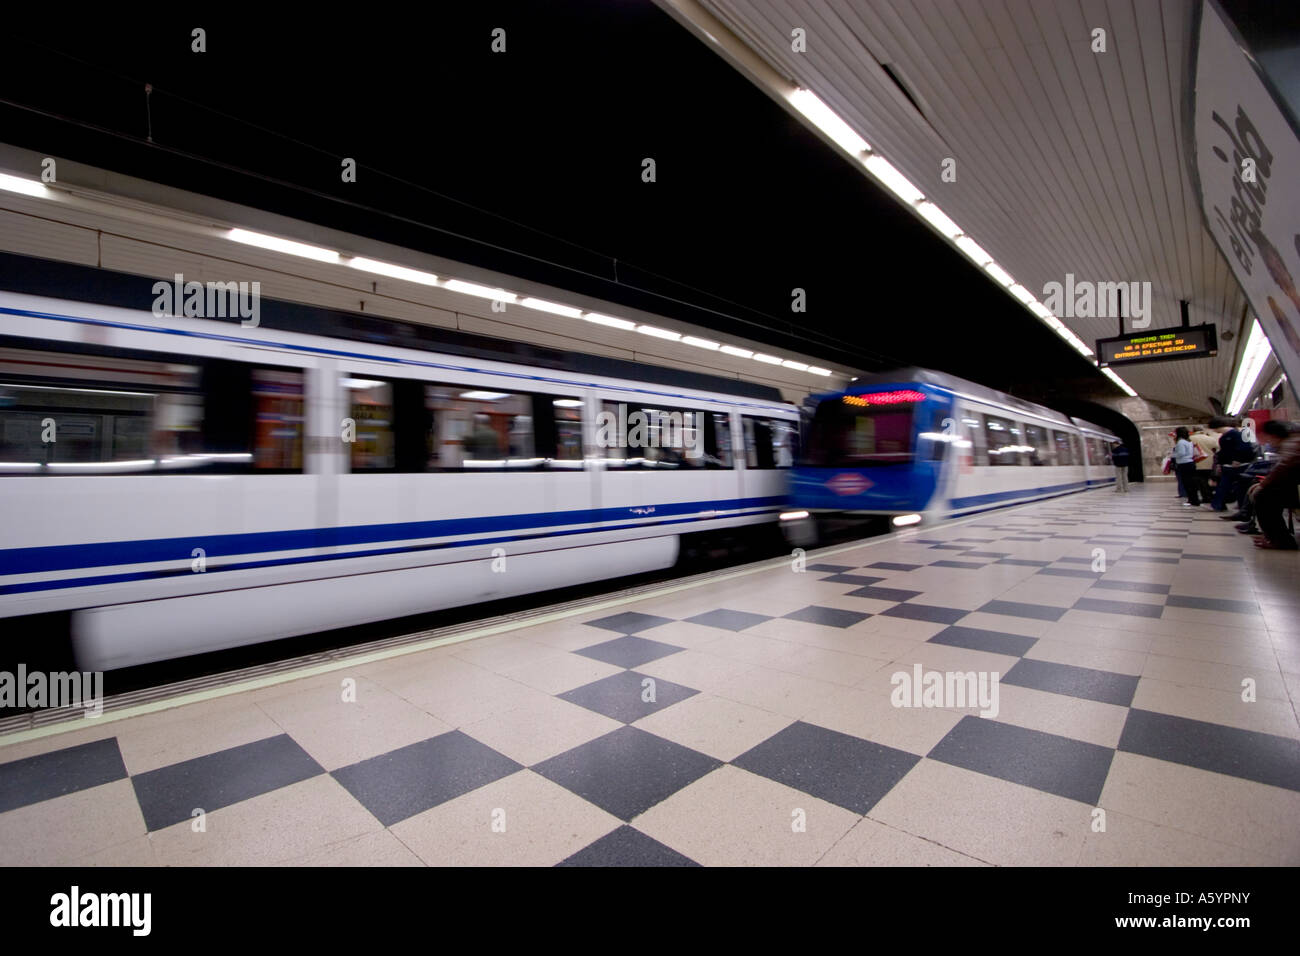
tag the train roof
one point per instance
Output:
(61, 280)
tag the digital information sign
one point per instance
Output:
(1156, 345)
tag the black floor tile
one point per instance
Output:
(630, 622)
(1039, 612)
(883, 594)
(49, 775)
(1084, 682)
(1068, 573)
(629, 651)
(1211, 604)
(1248, 754)
(169, 794)
(1144, 587)
(1023, 562)
(926, 612)
(1127, 608)
(838, 768)
(965, 565)
(947, 547)
(988, 554)
(995, 642)
(894, 566)
(858, 579)
(412, 779)
(730, 620)
(1068, 768)
(627, 846)
(627, 771)
(620, 696)
(829, 616)
(1148, 558)
(832, 568)
(1210, 557)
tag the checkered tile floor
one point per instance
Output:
(1149, 662)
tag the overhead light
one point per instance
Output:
(701, 343)
(973, 250)
(935, 217)
(818, 370)
(903, 521)
(392, 271)
(738, 352)
(659, 333)
(792, 515)
(482, 291)
(797, 366)
(609, 320)
(1023, 294)
(892, 179)
(767, 359)
(483, 396)
(999, 274)
(826, 120)
(1042, 311)
(28, 187)
(362, 383)
(541, 305)
(1252, 363)
(567, 403)
(1120, 382)
(288, 246)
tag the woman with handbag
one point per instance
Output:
(1184, 462)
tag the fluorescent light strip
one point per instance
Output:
(973, 251)
(288, 246)
(1000, 275)
(609, 320)
(738, 352)
(28, 187)
(541, 305)
(892, 179)
(828, 121)
(936, 217)
(482, 291)
(797, 366)
(659, 333)
(392, 271)
(766, 359)
(1023, 294)
(1120, 382)
(700, 343)
(1252, 363)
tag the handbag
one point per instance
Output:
(1169, 465)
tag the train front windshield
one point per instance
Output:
(861, 430)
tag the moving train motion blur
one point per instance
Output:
(177, 485)
(918, 445)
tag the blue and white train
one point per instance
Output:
(917, 445)
(170, 486)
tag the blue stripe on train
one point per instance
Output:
(65, 557)
(64, 583)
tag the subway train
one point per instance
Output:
(173, 485)
(916, 446)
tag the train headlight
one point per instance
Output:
(793, 515)
(902, 521)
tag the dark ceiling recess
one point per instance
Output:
(903, 87)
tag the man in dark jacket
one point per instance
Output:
(1234, 454)
(1119, 458)
(1278, 489)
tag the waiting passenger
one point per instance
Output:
(1184, 462)
(1234, 455)
(1119, 458)
(1207, 446)
(1279, 488)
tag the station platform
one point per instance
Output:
(753, 719)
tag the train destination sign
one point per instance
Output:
(1155, 345)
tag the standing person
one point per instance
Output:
(1207, 446)
(1119, 458)
(1184, 453)
(1278, 489)
(1234, 455)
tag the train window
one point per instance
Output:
(644, 436)
(1004, 440)
(86, 410)
(404, 425)
(848, 432)
(973, 429)
(1064, 451)
(770, 442)
(1041, 450)
(1095, 454)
